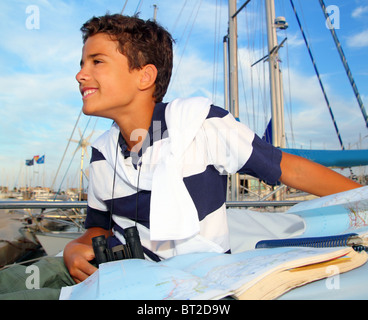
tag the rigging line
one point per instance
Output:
(249, 26)
(261, 71)
(184, 30)
(67, 146)
(66, 172)
(214, 54)
(290, 100)
(62, 181)
(240, 9)
(177, 47)
(344, 62)
(217, 43)
(263, 40)
(191, 29)
(256, 73)
(244, 91)
(85, 129)
(289, 104)
(305, 24)
(186, 42)
(122, 11)
(179, 16)
(250, 45)
(138, 6)
(241, 67)
(318, 76)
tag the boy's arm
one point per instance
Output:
(79, 252)
(311, 177)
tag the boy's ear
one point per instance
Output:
(148, 76)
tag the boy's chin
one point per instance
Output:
(88, 111)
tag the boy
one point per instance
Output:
(162, 166)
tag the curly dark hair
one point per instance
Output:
(142, 42)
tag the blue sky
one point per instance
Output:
(40, 50)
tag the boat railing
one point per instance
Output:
(17, 204)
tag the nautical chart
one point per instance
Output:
(358, 214)
(339, 213)
(213, 275)
(200, 276)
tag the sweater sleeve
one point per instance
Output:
(233, 148)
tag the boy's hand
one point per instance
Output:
(76, 258)
(79, 252)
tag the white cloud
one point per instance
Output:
(57, 42)
(359, 12)
(36, 116)
(187, 80)
(179, 17)
(359, 40)
(312, 122)
(295, 40)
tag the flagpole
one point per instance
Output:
(44, 164)
(43, 173)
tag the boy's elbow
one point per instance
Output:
(291, 168)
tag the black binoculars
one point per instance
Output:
(132, 250)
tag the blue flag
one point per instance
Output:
(41, 160)
(29, 162)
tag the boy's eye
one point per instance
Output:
(96, 61)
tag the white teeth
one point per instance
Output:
(87, 92)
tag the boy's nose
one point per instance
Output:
(81, 76)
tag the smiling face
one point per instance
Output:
(107, 85)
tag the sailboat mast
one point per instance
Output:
(233, 60)
(277, 103)
(233, 83)
(226, 73)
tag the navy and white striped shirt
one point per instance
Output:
(216, 154)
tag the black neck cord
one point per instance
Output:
(113, 185)
(136, 203)
(113, 188)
